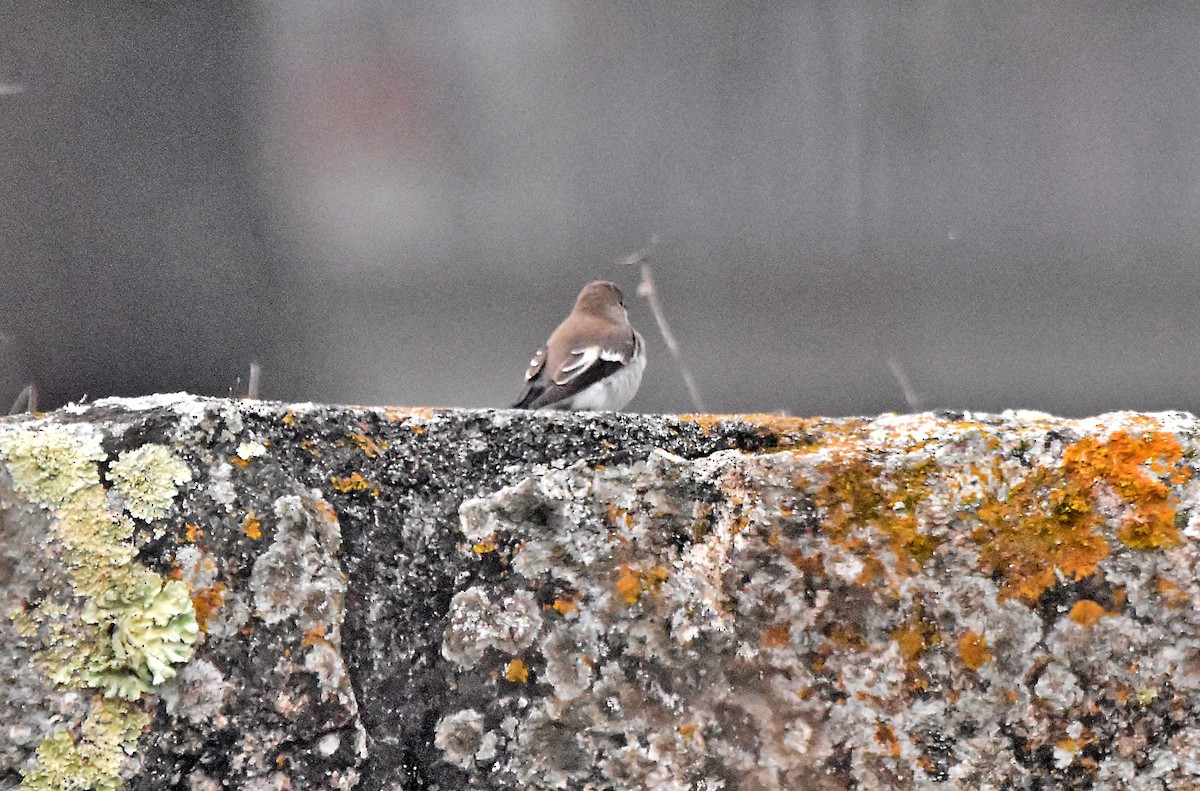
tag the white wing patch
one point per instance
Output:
(535, 364)
(585, 358)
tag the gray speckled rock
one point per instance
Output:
(201, 593)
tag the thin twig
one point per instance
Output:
(910, 395)
(26, 400)
(255, 376)
(648, 292)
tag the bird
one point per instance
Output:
(592, 361)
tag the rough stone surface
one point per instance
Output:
(420, 599)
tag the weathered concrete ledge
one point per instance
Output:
(203, 593)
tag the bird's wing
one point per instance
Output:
(580, 368)
(536, 364)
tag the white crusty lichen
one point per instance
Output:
(148, 479)
(460, 737)
(479, 622)
(299, 576)
(250, 450)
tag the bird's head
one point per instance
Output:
(602, 298)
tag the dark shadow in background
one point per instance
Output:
(393, 203)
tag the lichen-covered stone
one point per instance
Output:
(446, 600)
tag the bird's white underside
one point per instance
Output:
(612, 392)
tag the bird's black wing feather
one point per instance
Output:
(543, 392)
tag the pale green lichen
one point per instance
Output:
(128, 630)
(51, 464)
(133, 646)
(93, 761)
(148, 479)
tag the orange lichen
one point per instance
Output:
(310, 446)
(564, 606)
(846, 635)
(289, 418)
(887, 738)
(1086, 612)
(314, 636)
(865, 507)
(483, 547)
(1138, 469)
(972, 649)
(632, 583)
(353, 483)
(777, 636)
(326, 510)
(629, 587)
(192, 532)
(1171, 594)
(1046, 523)
(399, 414)
(1049, 521)
(781, 432)
(207, 601)
(238, 461)
(370, 447)
(252, 526)
(516, 671)
(688, 730)
(910, 639)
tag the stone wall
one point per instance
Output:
(204, 593)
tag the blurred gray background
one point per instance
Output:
(394, 203)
